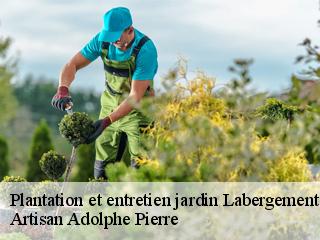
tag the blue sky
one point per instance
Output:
(208, 33)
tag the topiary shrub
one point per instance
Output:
(53, 164)
(76, 127)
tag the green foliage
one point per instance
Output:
(198, 137)
(76, 127)
(85, 162)
(53, 164)
(4, 164)
(117, 171)
(14, 179)
(41, 143)
(275, 109)
(8, 102)
(291, 168)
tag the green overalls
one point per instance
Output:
(110, 144)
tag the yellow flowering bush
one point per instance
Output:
(197, 136)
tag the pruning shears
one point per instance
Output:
(68, 108)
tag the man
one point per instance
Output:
(130, 63)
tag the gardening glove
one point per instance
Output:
(99, 127)
(61, 100)
(99, 169)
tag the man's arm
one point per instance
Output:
(62, 99)
(138, 89)
(68, 72)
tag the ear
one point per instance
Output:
(130, 30)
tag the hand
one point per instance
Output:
(99, 127)
(61, 100)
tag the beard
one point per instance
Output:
(121, 45)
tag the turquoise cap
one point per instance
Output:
(115, 21)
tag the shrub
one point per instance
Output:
(53, 164)
(195, 138)
(275, 109)
(76, 127)
(290, 168)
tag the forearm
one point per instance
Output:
(67, 75)
(68, 72)
(138, 89)
(124, 108)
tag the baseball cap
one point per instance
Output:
(115, 21)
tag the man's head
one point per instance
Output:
(125, 39)
(116, 22)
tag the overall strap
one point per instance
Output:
(105, 45)
(110, 69)
(137, 48)
(123, 72)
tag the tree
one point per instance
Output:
(41, 143)
(8, 102)
(4, 164)
(85, 163)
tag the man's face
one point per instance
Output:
(124, 40)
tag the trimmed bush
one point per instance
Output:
(76, 127)
(53, 164)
